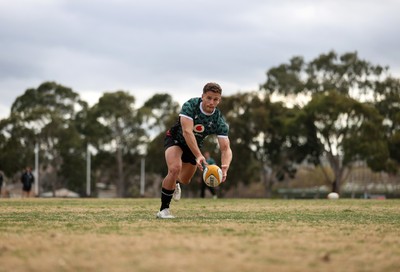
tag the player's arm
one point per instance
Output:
(226, 155)
(187, 131)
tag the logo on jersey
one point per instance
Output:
(198, 128)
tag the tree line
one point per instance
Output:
(334, 110)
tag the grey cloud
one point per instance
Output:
(179, 45)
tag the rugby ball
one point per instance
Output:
(333, 195)
(212, 175)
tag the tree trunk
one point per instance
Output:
(267, 180)
(335, 162)
(120, 182)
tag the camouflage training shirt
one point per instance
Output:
(203, 124)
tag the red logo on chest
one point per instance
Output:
(198, 128)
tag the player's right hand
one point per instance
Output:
(200, 161)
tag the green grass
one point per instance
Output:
(71, 214)
(300, 235)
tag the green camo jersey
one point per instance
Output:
(203, 124)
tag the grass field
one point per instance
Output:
(207, 235)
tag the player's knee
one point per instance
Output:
(174, 171)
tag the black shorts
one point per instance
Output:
(26, 188)
(187, 155)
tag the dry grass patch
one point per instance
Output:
(222, 235)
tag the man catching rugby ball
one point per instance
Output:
(199, 117)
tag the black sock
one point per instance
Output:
(166, 196)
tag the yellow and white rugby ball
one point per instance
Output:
(212, 175)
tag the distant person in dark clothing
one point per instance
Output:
(1, 183)
(27, 180)
(203, 185)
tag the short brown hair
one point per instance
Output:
(212, 87)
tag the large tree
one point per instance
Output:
(261, 139)
(346, 131)
(114, 127)
(344, 90)
(388, 104)
(45, 116)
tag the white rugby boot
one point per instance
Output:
(177, 193)
(165, 214)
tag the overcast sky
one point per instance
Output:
(176, 46)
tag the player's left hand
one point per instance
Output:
(224, 169)
(223, 178)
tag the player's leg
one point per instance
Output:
(212, 191)
(174, 163)
(173, 159)
(187, 173)
(202, 189)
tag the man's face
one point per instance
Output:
(210, 101)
